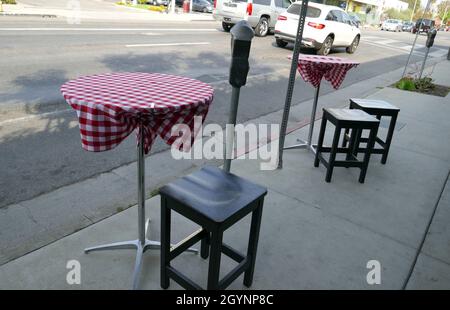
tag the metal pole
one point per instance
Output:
(415, 39)
(229, 129)
(414, 8)
(313, 116)
(141, 185)
(423, 63)
(290, 89)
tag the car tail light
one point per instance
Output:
(281, 17)
(215, 3)
(249, 8)
(316, 25)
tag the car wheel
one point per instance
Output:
(205, 10)
(226, 27)
(280, 43)
(262, 29)
(352, 48)
(326, 46)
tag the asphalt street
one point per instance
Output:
(39, 139)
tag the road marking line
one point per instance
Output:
(111, 29)
(151, 34)
(167, 44)
(388, 41)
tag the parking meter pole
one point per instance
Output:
(229, 130)
(241, 37)
(430, 41)
(423, 63)
(291, 82)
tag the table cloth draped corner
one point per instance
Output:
(111, 106)
(313, 68)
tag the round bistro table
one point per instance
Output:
(312, 69)
(111, 106)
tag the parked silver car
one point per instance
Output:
(260, 14)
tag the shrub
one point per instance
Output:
(406, 84)
(424, 84)
(9, 1)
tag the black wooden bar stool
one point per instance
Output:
(378, 108)
(215, 200)
(356, 121)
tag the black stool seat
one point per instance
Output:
(373, 105)
(215, 200)
(346, 115)
(377, 108)
(356, 121)
(213, 194)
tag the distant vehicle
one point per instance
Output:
(260, 14)
(355, 19)
(423, 25)
(202, 6)
(326, 26)
(159, 2)
(407, 26)
(392, 25)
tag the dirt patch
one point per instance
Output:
(438, 90)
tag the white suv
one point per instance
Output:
(326, 26)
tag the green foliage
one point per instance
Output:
(424, 84)
(406, 84)
(9, 1)
(396, 14)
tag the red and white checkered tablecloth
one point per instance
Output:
(110, 106)
(313, 68)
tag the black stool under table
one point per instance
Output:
(356, 121)
(215, 200)
(377, 108)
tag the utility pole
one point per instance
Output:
(414, 8)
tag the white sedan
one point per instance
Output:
(325, 27)
(392, 25)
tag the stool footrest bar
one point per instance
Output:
(232, 253)
(182, 280)
(236, 272)
(185, 244)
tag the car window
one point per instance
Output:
(345, 18)
(262, 2)
(282, 3)
(335, 15)
(310, 12)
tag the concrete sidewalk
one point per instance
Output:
(115, 13)
(314, 235)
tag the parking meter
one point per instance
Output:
(241, 40)
(430, 40)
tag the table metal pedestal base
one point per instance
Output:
(302, 145)
(142, 244)
(305, 144)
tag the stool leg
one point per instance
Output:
(214, 260)
(357, 142)
(370, 145)
(204, 247)
(389, 138)
(323, 125)
(165, 243)
(334, 146)
(253, 243)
